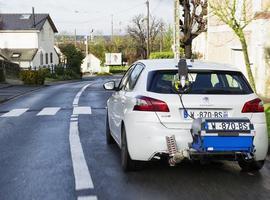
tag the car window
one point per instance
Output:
(134, 77)
(212, 82)
(124, 80)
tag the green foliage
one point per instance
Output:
(161, 55)
(74, 57)
(267, 112)
(118, 69)
(2, 75)
(268, 121)
(104, 74)
(30, 77)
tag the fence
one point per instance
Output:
(9, 70)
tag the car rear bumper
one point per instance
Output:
(147, 138)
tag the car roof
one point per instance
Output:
(165, 64)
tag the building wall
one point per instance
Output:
(18, 40)
(46, 46)
(91, 64)
(223, 46)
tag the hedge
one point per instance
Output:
(161, 55)
(118, 69)
(31, 77)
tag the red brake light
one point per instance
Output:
(253, 106)
(149, 104)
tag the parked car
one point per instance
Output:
(144, 108)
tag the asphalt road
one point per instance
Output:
(61, 154)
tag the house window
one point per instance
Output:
(41, 58)
(47, 58)
(16, 55)
(51, 57)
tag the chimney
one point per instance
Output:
(33, 17)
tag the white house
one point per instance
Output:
(28, 39)
(91, 64)
(220, 44)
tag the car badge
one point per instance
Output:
(206, 100)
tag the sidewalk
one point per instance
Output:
(8, 91)
(11, 91)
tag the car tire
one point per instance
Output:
(127, 163)
(251, 166)
(109, 138)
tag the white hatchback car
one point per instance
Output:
(144, 109)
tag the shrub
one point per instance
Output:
(118, 69)
(30, 77)
(268, 121)
(59, 71)
(161, 55)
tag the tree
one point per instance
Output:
(193, 23)
(74, 57)
(237, 15)
(138, 32)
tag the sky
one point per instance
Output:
(85, 15)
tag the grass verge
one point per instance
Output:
(267, 112)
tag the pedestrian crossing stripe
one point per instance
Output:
(47, 111)
(15, 112)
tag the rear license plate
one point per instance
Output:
(204, 114)
(228, 126)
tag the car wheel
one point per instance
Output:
(127, 163)
(109, 138)
(251, 166)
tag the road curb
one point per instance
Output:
(20, 95)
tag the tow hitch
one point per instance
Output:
(218, 138)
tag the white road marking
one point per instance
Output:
(82, 111)
(77, 97)
(48, 111)
(88, 198)
(82, 175)
(15, 112)
(83, 178)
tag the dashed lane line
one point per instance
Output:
(49, 111)
(15, 112)
(87, 198)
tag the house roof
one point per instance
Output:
(19, 54)
(2, 57)
(25, 22)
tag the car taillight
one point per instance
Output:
(149, 104)
(253, 106)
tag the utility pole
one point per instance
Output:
(86, 45)
(148, 28)
(176, 46)
(75, 38)
(112, 27)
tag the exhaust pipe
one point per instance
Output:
(175, 155)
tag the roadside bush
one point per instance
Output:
(161, 55)
(104, 74)
(59, 71)
(30, 77)
(118, 69)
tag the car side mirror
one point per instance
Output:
(109, 85)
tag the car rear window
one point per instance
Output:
(202, 82)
